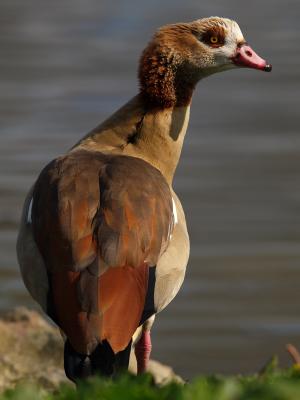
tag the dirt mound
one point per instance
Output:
(31, 350)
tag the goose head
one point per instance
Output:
(179, 55)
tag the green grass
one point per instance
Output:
(271, 384)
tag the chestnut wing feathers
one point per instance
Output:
(133, 222)
(100, 221)
(88, 204)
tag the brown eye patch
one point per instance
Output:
(214, 37)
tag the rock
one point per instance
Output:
(31, 350)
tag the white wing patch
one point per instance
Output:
(29, 215)
(174, 220)
(175, 216)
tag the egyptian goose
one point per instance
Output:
(103, 244)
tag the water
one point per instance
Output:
(66, 65)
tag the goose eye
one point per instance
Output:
(214, 39)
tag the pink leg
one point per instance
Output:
(142, 352)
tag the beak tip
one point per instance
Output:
(268, 68)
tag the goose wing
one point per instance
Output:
(100, 222)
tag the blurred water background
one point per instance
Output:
(65, 65)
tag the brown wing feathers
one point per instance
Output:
(100, 221)
(132, 223)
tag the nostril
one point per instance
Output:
(248, 52)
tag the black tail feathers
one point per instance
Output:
(103, 361)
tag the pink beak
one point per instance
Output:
(246, 57)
